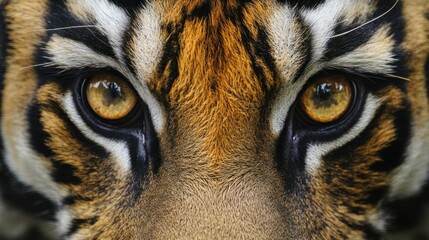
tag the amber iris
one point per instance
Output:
(327, 99)
(110, 97)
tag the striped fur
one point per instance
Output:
(224, 152)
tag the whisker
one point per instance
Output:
(64, 28)
(368, 22)
(398, 77)
(72, 27)
(37, 65)
(372, 77)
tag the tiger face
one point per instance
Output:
(215, 119)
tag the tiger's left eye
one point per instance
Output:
(110, 97)
(327, 99)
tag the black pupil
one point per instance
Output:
(323, 91)
(114, 90)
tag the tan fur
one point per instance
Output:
(417, 44)
(18, 94)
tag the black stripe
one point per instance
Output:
(263, 49)
(131, 6)
(251, 44)
(257, 68)
(4, 39)
(344, 44)
(371, 233)
(393, 155)
(59, 17)
(38, 137)
(3, 43)
(171, 52)
(406, 214)
(302, 3)
(201, 11)
(341, 45)
(72, 199)
(338, 159)
(62, 172)
(23, 197)
(427, 75)
(291, 159)
(78, 223)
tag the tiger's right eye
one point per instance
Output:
(110, 97)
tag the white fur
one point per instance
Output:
(67, 53)
(375, 56)
(147, 47)
(285, 38)
(379, 219)
(322, 22)
(26, 164)
(409, 178)
(316, 151)
(112, 20)
(118, 149)
(64, 220)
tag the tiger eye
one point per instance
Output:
(110, 97)
(327, 99)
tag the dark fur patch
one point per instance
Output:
(38, 137)
(256, 47)
(427, 75)
(346, 43)
(371, 233)
(64, 173)
(201, 11)
(3, 53)
(59, 18)
(303, 3)
(131, 6)
(406, 214)
(21, 196)
(78, 223)
(393, 156)
(3, 44)
(170, 56)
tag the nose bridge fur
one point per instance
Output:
(217, 96)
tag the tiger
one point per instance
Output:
(212, 119)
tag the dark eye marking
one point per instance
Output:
(303, 3)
